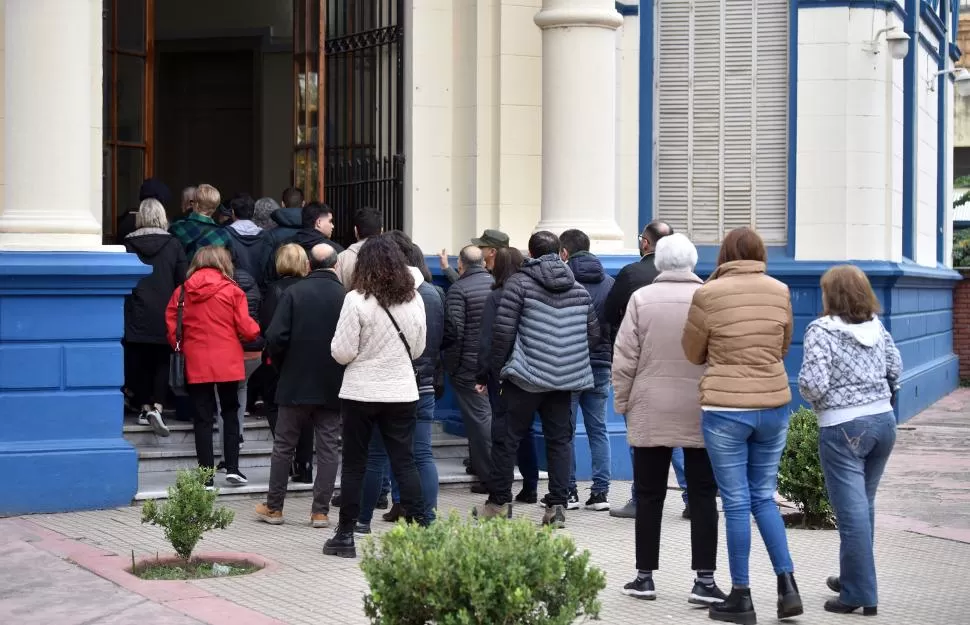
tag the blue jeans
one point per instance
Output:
(677, 459)
(379, 469)
(854, 456)
(593, 404)
(745, 448)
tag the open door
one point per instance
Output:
(309, 81)
(129, 51)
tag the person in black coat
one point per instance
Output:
(246, 238)
(507, 261)
(464, 304)
(298, 341)
(635, 275)
(146, 345)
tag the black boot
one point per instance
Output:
(737, 608)
(789, 602)
(396, 512)
(836, 606)
(342, 544)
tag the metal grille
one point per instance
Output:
(364, 145)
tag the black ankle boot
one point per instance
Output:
(342, 544)
(737, 608)
(836, 606)
(789, 601)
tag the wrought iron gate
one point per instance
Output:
(362, 94)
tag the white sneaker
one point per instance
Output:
(143, 418)
(155, 418)
(236, 478)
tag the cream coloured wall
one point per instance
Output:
(849, 138)
(473, 104)
(628, 131)
(926, 180)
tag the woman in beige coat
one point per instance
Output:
(655, 386)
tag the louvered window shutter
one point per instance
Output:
(722, 127)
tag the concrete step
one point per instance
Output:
(154, 485)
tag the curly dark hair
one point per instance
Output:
(382, 272)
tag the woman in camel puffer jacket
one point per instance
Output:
(655, 386)
(740, 325)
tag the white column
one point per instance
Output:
(579, 118)
(47, 128)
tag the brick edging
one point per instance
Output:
(181, 596)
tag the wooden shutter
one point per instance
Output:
(722, 127)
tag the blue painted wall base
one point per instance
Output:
(917, 304)
(61, 372)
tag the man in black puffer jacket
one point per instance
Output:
(589, 272)
(543, 332)
(463, 320)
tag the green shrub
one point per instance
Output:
(189, 512)
(800, 478)
(496, 572)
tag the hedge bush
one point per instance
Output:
(189, 512)
(497, 572)
(800, 477)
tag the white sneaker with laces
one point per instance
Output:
(154, 417)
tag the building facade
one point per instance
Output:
(453, 116)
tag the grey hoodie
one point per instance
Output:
(847, 369)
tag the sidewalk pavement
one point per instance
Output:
(923, 538)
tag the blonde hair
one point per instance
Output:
(212, 257)
(151, 214)
(207, 199)
(292, 260)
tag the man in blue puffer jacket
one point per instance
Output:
(589, 272)
(544, 330)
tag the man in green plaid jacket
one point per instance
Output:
(197, 230)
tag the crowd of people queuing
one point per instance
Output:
(354, 345)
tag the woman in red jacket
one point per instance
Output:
(215, 319)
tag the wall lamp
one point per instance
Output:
(961, 80)
(897, 39)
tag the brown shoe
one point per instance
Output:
(319, 520)
(273, 517)
(555, 517)
(492, 511)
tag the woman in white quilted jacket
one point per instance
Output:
(381, 331)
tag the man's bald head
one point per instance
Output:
(323, 256)
(470, 256)
(654, 231)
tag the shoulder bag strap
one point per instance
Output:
(178, 320)
(400, 334)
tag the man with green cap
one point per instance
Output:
(490, 242)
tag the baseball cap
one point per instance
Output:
(492, 238)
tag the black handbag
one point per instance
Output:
(407, 346)
(176, 362)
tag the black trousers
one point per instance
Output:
(395, 422)
(147, 372)
(205, 417)
(651, 468)
(555, 413)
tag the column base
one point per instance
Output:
(604, 235)
(61, 372)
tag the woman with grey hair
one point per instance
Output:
(264, 211)
(146, 345)
(655, 386)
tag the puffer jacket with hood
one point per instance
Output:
(544, 328)
(254, 300)
(248, 247)
(145, 307)
(464, 305)
(848, 369)
(740, 324)
(288, 223)
(214, 321)
(589, 272)
(434, 312)
(308, 238)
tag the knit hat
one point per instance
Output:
(155, 189)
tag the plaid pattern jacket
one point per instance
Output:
(197, 231)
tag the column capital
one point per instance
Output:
(570, 13)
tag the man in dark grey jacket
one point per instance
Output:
(464, 305)
(298, 341)
(544, 329)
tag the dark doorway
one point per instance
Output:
(206, 123)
